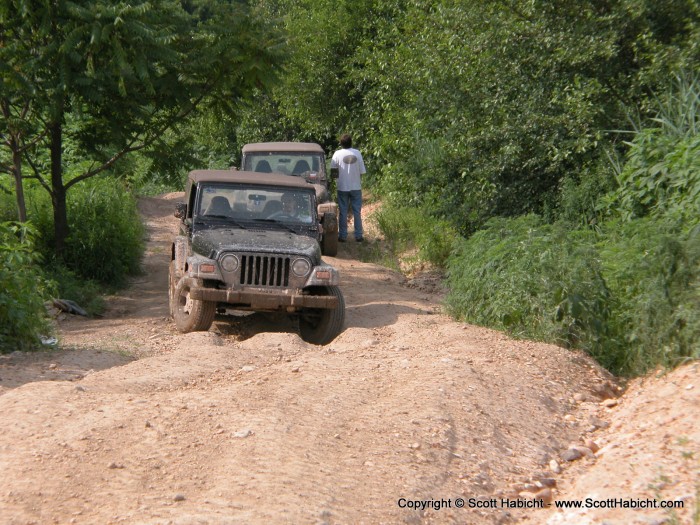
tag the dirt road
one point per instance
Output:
(403, 414)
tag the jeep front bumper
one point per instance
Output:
(258, 299)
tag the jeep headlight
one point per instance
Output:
(229, 263)
(301, 267)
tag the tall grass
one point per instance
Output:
(104, 246)
(532, 280)
(106, 236)
(661, 174)
(652, 267)
(407, 229)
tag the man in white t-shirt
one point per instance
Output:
(351, 167)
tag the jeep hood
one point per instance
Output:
(211, 243)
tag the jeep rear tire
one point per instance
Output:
(329, 244)
(191, 315)
(329, 241)
(320, 326)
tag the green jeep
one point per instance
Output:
(250, 242)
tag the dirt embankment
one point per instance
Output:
(406, 413)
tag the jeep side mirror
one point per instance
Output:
(180, 210)
(334, 173)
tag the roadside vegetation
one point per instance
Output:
(545, 155)
(620, 279)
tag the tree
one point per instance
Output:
(482, 108)
(109, 79)
(17, 132)
(471, 108)
(12, 136)
(317, 97)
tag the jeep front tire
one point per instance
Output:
(191, 315)
(320, 326)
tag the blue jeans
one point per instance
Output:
(345, 200)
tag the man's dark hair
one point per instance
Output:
(346, 140)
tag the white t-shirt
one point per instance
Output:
(350, 169)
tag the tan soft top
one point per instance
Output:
(248, 177)
(276, 147)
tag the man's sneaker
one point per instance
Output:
(341, 239)
(361, 239)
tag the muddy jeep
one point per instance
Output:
(250, 242)
(306, 160)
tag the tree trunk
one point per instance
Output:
(58, 190)
(17, 173)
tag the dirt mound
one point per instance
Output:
(648, 457)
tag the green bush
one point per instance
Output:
(652, 268)
(23, 290)
(628, 290)
(532, 280)
(629, 294)
(105, 244)
(580, 194)
(106, 237)
(661, 176)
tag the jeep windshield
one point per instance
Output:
(239, 205)
(300, 164)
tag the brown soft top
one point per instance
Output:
(278, 147)
(248, 177)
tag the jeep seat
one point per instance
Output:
(301, 167)
(219, 205)
(263, 167)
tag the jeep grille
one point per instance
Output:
(265, 270)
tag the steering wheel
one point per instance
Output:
(280, 215)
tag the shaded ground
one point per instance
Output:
(135, 423)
